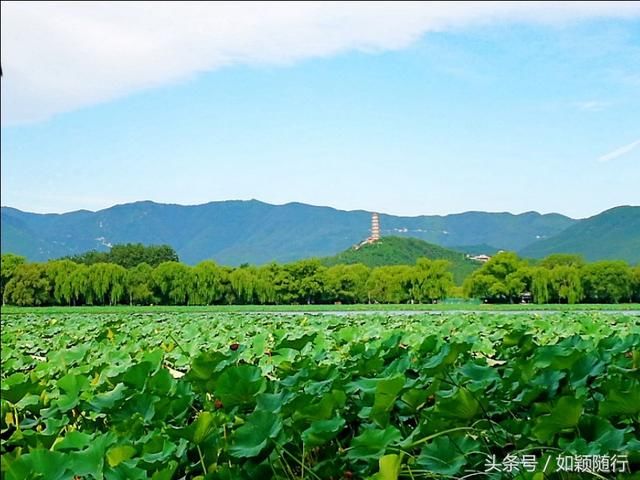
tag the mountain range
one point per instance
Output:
(235, 232)
(613, 234)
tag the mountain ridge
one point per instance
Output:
(610, 235)
(250, 231)
(254, 200)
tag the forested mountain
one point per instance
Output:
(404, 251)
(236, 232)
(613, 234)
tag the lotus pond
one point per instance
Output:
(173, 395)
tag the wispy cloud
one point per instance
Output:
(619, 152)
(592, 106)
(61, 56)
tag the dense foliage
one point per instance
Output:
(64, 282)
(559, 278)
(324, 397)
(404, 251)
(128, 255)
(506, 278)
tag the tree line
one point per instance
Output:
(65, 282)
(128, 255)
(559, 278)
(506, 278)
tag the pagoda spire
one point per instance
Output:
(375, 227)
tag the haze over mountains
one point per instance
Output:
(236, 232)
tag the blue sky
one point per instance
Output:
(500, 115)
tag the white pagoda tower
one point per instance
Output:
(375, 228)
(375, 232)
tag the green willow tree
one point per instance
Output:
(307, 281)
(347, 283)
(540, 284)
(562, 259)
(430, 280)
(635, 275)
(60, 273)
(173, 281)
(244, 282)
(139, 284)
(29, 286)
(80, 290)
(209, 281)
(8, 266)
(608, 282)
(107, 282)
(566, 284)
(497, 281)
(266, 288)
(389, 284)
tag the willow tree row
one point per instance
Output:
(506, 278)
(559, 278)
(64, 282)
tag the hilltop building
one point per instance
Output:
(480, 258)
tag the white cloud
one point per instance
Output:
(61, 56)
(592, 105)
(619, 152)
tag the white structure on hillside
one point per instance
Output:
(375, 232)
(375, 228)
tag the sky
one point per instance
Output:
(407, 109)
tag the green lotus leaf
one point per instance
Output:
(106, 400)
(90, 461)
(15, 468)
(252, 438)
(46, 464)
(166, 473)
(586, 366)
(386, 393)
(161, 382)
(598, 435)
(372, 443)
(565, 414)
(461, 405)
(389, 467)
(445, 456)
(71, 385)
(619, 402)
(481, 376)
(296, 342)
(137, 375)
(15, 387)
(117, 455)
(239, 385)
(74, 440)
(321, 431)
(198, 431)
(207, 365)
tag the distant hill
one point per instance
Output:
(613, 234)
(404, 251)
(235, 232)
